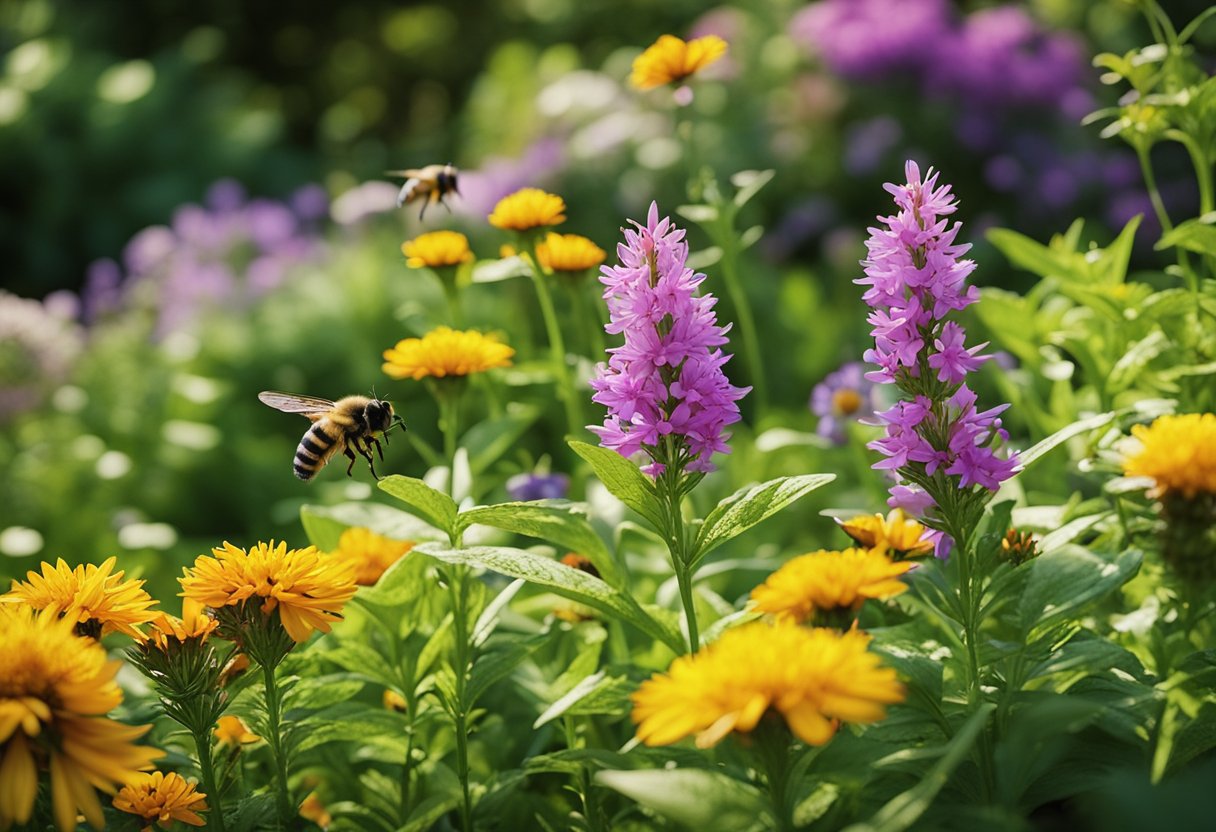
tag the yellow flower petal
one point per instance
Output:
(670, 60)
(445, 352)
(528, 208)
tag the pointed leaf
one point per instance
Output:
(1042, 447)
(488, 440)
(751, 505)
(693, 797)
(623, 479)
(324, 524)
(1064, 581)
(433, 506)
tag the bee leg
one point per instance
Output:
(374, 441)
(351, 456)
(365, 452)
(422, 212)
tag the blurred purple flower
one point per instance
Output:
(39, 343)
(225, 196)
(868, 142)
(843, 396)
(869, 39)
(310, 202)
(101, 294)
(532, 486)
(481, 189)
(362, 201)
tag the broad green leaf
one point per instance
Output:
(623, 479)
(1137, 357)
(904, 809)
(488, 620)
(1042, 447)
(1070, 531)
(487, 441)
(696, 798)
(1064, 581)
(1198, 235)
(325, 524)
(576, 693)
(433, 506)
(1112, 262)
(751, 505)
(556, 521)
(324, 691)
(1033, 256)
(349, 722)
(497, 664)
(564, 580)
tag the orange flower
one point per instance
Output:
(95, 598)
(670, 60)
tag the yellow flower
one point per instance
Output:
(54, 691)
(308, 588)
(371, 554)
(829, 582)
(394, 701)
(314, 810)
(92, 598)
(528, 208)
(896, 532)
(438, 248)
(814, 678)
(569, 253)
(446, 352)
(1179, 452)
(232, 730)
(670, 60)
(162, 798)
(195, 623)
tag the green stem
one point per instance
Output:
(407, 770)
(215, 817)
(582, 322)
(460, 716)
(677, 546)
(969, 601)
(557, 347)
(452, 293)
(772, 749)
(746, 321)
(274, 702)
(449, 415)
(1154, 195)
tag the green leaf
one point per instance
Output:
(696, 798)
(751, 505)
(579, 691)
(1137, 357)
(565, 581)
(1033, 256)
(749, 183)
(487, 441)
(1042, 447)
(325, 524)
(623, 479)
(904, 809)
(1198, 235)
(433, 506)
(497, 664)
(556, 521)
(1064, 581)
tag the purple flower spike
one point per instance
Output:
(664, 388)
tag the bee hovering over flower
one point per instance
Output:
(347, 425)
(429, 184)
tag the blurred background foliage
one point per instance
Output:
(193, 207)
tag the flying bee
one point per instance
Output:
(348, 425)
(429, 184)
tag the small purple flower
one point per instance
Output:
(664, 388)
(869, 39)
(526, 487)
(843, 395)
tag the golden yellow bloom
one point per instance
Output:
(670, 60)
(232, 731)
(446, 352)
(54, 690)
(308, 588)
(528, 208)
(195, 623)
(829, 582)
(394, 701)
(314, 810)
(1179, 452)
(568, 253)
(814, 678)
(896, 532)
(235, 668)
(371, 554)
(92, 598)
(162, 798)
(437, 248)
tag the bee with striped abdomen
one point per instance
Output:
(348, 425)
(429, 184)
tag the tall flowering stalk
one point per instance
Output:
(937, 443)
(666, 393)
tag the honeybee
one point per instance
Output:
(348, 425)
(429, 184)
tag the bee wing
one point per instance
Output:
(292, 403)
(407, 191)
(410, 173)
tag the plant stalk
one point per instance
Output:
(274, 702)
(557, 347)
(215, 817)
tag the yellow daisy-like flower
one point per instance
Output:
(437, 248)
(55, 688)
(814, 678)
(94, 598)
(829, 582)
(308, 588)
(232, 731)
(444, 352)
(896, 533)
(314, 810)
(1178, 452)
(372, 554)
(161, 798)
(670, 60)
(568, 253)
(528, 208)
(195, 623)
